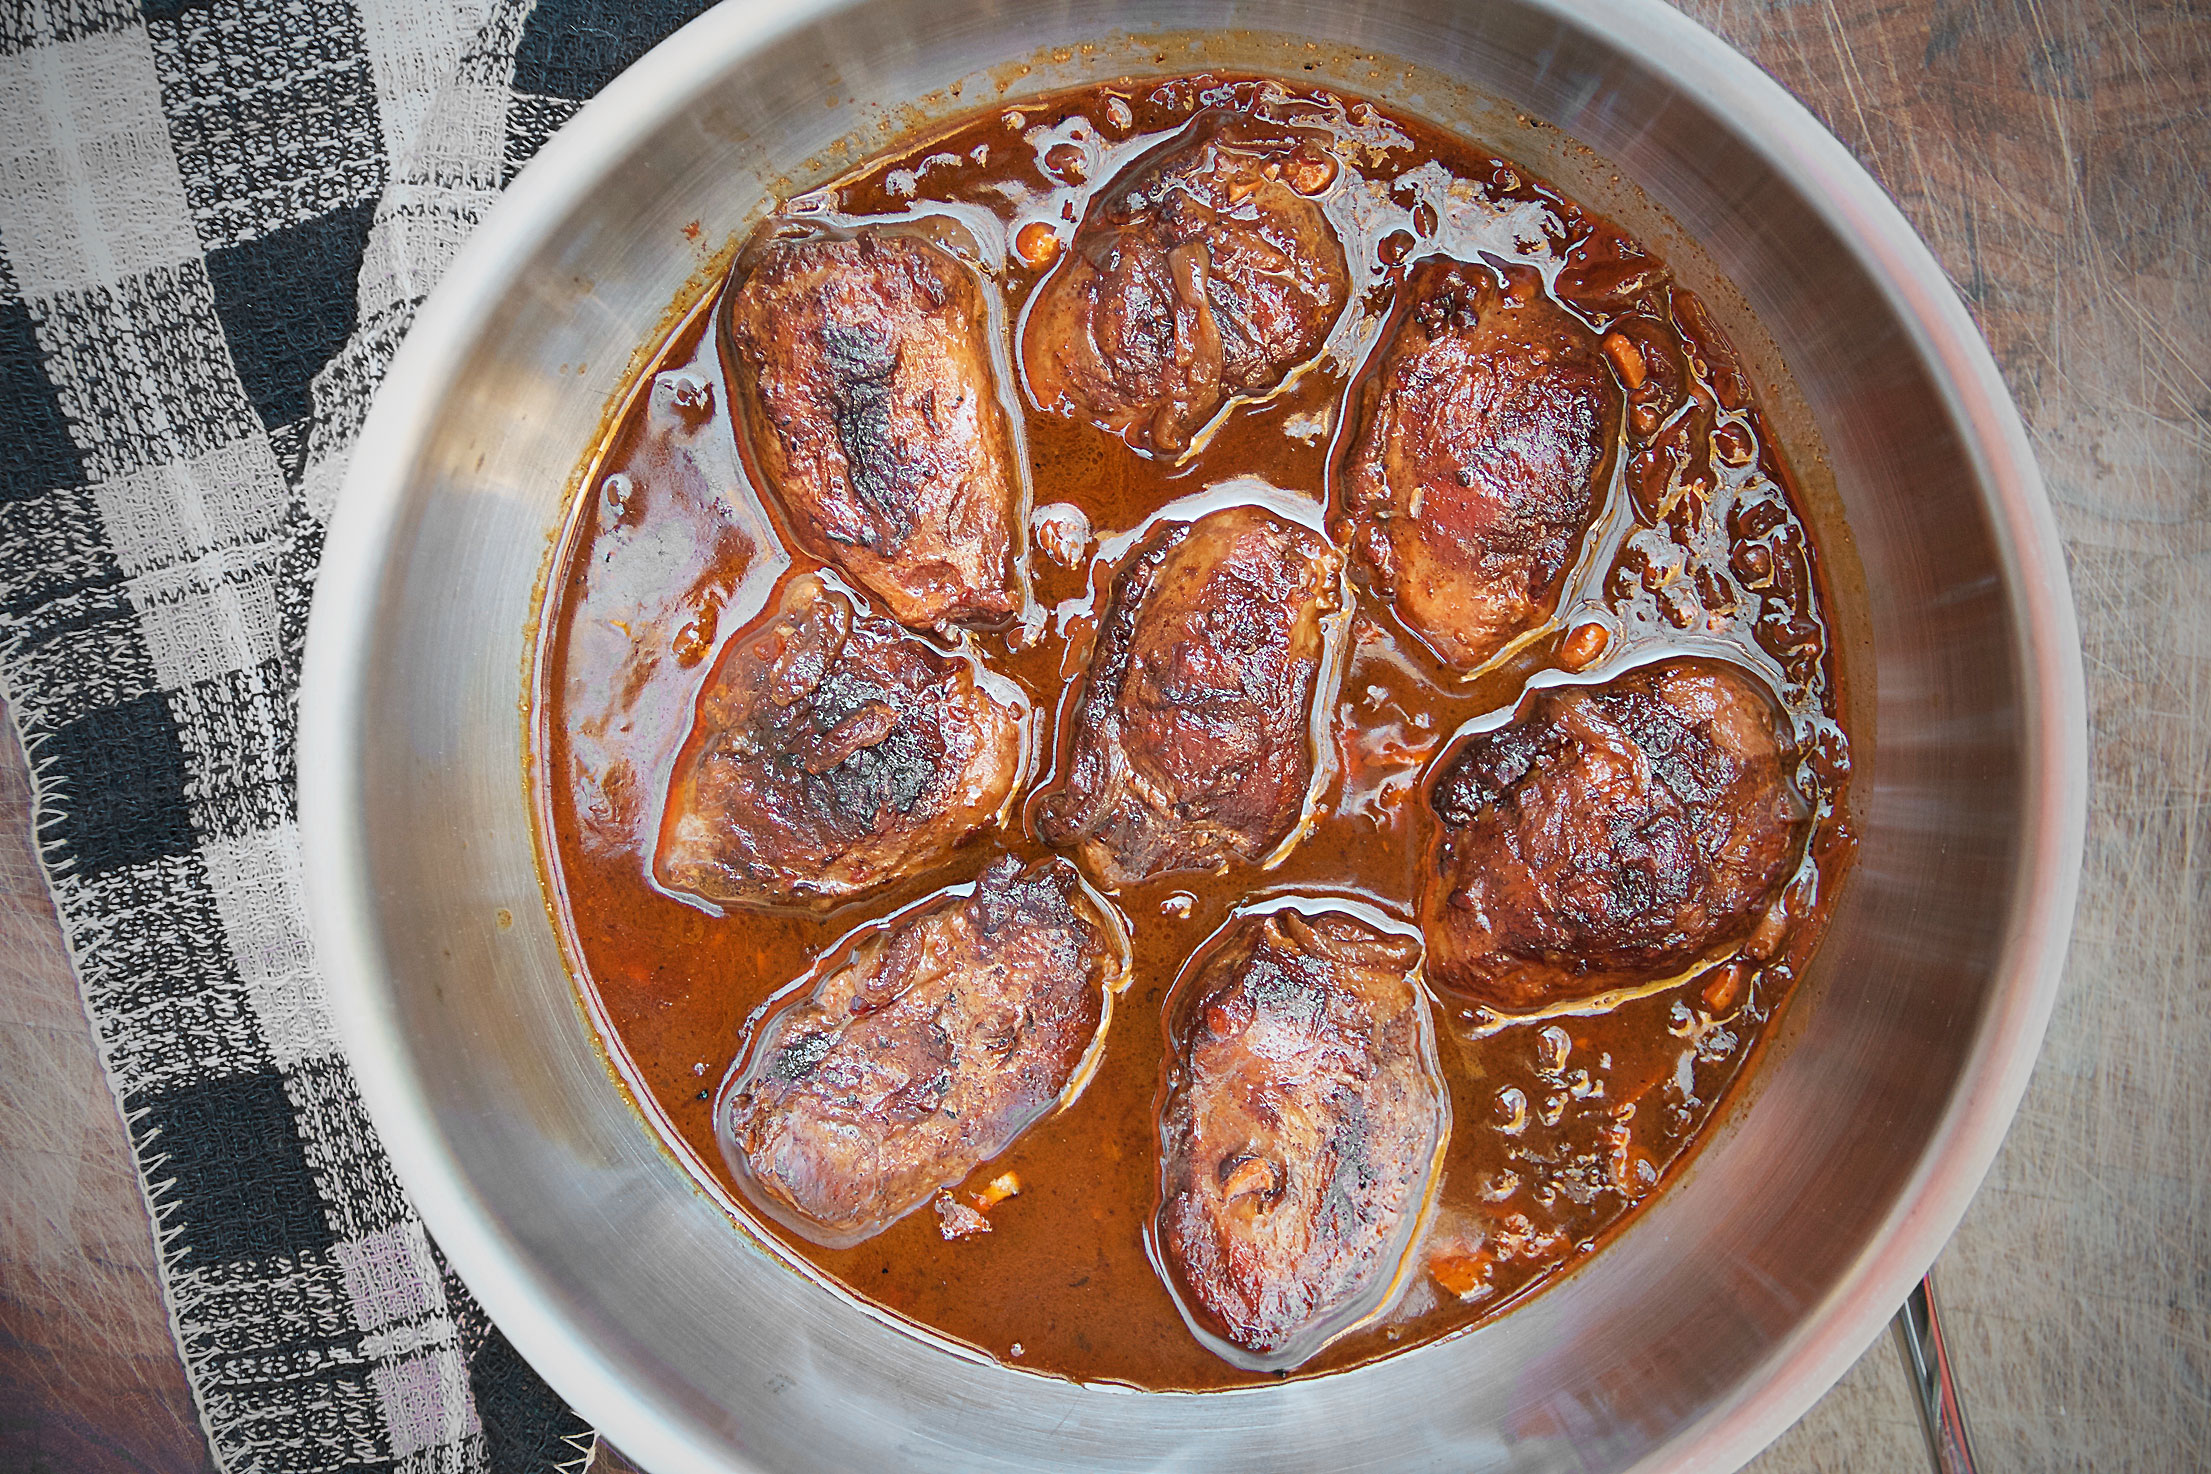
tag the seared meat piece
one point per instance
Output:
(1201, 273)
(864, 369)
(1609, 836)
(1480, 458)
(1305, 1120)
(925, 1052)
(1193, 739)
(834, 752)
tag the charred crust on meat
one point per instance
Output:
(1484, 435)
(1198, 276)
(1193, 744)
(833, 753)
(1609, 836)
(865, 371)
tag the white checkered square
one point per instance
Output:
(472, 135)
(390, 1276)
(425, 1400)
(421, 228)
(89, 190)
(179, 511)
(213, 615)
(444, 181)
(256, 884)
(413, 51)
(441, 190)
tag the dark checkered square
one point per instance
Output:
(532, 119)
(72, 654)
(28, 23)
(57, 538)
(287, 304)
(142, 371)
(572, 48)
(230, 1148)
(510, 1405)
(118, 775)
(274, 122)
(40, 453)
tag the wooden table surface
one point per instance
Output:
(2054, 154)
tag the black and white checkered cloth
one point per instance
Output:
(217, 218)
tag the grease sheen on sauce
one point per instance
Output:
(1563, 1124)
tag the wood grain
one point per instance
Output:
(2053, 153)
(2054, 158)
(90, 1379)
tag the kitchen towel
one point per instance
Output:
(217, 219)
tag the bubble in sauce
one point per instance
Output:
(1512, 1103)
(691, 396)
(615, 496)
(1062, 532)
(1551, 1048)
(1068, 161)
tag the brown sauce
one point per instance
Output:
(1562, 1125)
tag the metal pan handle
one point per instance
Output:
(1927, 1363)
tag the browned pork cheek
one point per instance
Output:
(1302, 1130)
(1479, 458)
(1609, 836)
(1193, 739)
(1201, 273)
(863, 365)
(833, 752)
(924, 1053)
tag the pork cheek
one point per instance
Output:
(1199, 274)
(834, 752)
(1193, 743)
(925, 1052)
(864, 371)
(1301, 1134)
(1608, 836)
(1479, 458)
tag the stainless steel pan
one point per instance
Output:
(1728, 1306)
